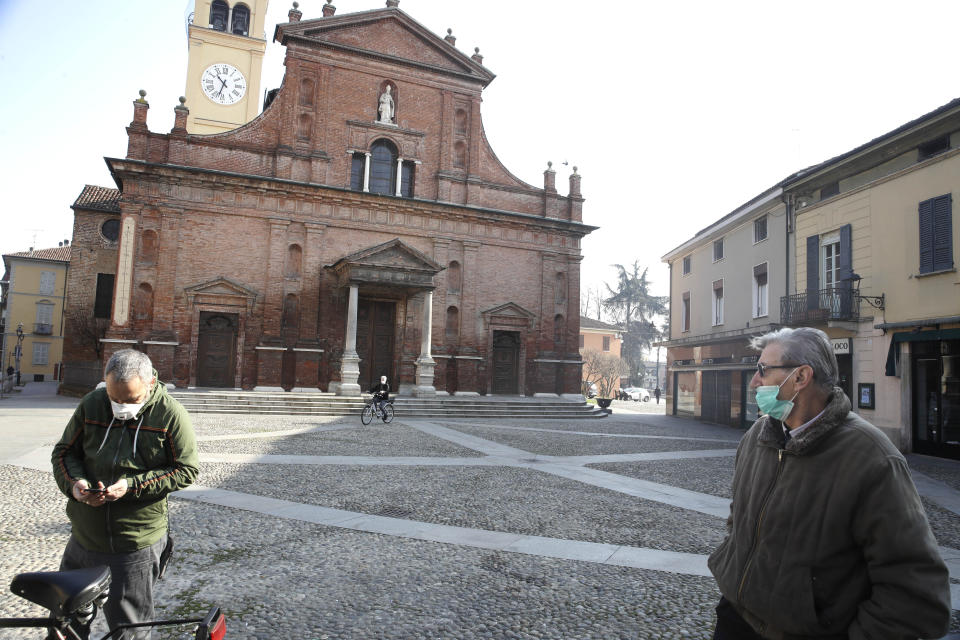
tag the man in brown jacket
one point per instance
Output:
(827, 537)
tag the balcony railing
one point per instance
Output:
(817, 306)
(42, 328)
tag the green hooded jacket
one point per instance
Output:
(165, 460)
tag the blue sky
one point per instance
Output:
(674, 112)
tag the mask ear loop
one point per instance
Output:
(106, 434)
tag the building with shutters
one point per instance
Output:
(876, 269)
(725, 286)
(360, 226)
(33, 291)
(865, 253)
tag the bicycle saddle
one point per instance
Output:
(62, 592)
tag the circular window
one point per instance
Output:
(110, 229)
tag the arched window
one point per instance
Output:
(241, 20)
(453, 325)
(148, 254)
(454, 277)
(383, 168)
(219, 12)
(294, 260)
(558, 329)
(461, 122)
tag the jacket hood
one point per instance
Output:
(838, 406)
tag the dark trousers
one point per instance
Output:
(730, 626)
(131, 585)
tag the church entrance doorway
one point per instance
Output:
(376, 324)
(506, 362)
(216, 349)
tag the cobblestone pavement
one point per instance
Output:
(323, 528)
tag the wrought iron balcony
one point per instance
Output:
(817, 306)
(42, 329)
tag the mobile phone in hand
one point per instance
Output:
(94, 490)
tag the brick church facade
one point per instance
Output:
(360, 226)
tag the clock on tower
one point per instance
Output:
(226, 47)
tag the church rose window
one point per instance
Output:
(110, 229)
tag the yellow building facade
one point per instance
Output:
(226, 47)
(34, 286)
(875, 246)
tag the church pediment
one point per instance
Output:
(221, 288)
(392, 262)
(509, 310)
(389, 33)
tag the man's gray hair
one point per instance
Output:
(126, 364)
(804, 346)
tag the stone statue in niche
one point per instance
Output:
(386, 107)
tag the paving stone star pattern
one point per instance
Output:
(323, 528)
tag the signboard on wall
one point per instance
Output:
(841, 346)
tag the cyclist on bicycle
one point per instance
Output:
(381, 393)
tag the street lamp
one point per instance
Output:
(19, 350)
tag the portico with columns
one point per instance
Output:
(389, 300)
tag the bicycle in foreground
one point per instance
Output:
(371, 411)
(73, 597)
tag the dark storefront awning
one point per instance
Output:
(893, 355)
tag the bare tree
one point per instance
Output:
(604, 370)
(87, 330)
(591, 303)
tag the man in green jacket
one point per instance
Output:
(127, 446)
(827, 537)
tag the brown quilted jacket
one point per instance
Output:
(827, 537)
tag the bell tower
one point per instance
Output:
(226, 47)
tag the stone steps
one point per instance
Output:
(325, 404)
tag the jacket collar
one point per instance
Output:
(771, 430)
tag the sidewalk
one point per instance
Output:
(32, 417)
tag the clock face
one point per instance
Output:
(223, 83)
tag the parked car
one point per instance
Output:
(637, 394)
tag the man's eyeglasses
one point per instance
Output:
(763, 368)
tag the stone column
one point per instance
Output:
(350, 363)
(425, 364)
(366, 172)
(399, 175)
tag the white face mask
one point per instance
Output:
(126, 411)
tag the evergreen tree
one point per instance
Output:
(635, 310)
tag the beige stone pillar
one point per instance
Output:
(425, 363)
(350, 363)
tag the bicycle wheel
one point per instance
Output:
(367, 415)
(387, 413)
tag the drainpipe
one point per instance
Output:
(788, 202)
